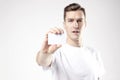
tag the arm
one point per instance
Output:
(44, 59)
(44, 56)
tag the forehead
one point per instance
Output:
(75, 14)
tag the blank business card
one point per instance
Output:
(56, 38)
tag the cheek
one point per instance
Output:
(81, 25)
(68, 28)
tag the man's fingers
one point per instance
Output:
(56, 30)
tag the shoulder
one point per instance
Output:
(91, 49)
(94, 51)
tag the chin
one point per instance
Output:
(75, 38)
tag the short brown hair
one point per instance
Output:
(73, 7)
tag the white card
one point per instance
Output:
(56, 38)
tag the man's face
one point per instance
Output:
(74, 24)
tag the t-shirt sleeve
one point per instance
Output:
(101, 69)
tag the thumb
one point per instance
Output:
(53, 48)
(58, 46)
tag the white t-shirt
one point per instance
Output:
(76, 63)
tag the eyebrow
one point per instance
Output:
(73, 19)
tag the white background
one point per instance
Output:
(23, 24)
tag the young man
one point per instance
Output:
(71, 61)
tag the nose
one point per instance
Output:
(75, 24)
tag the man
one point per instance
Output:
(71, 61)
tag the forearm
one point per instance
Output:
(43, 59)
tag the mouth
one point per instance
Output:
(75, 31)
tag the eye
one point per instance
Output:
(70, 20)
(79, 20)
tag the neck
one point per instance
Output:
(76, 43)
